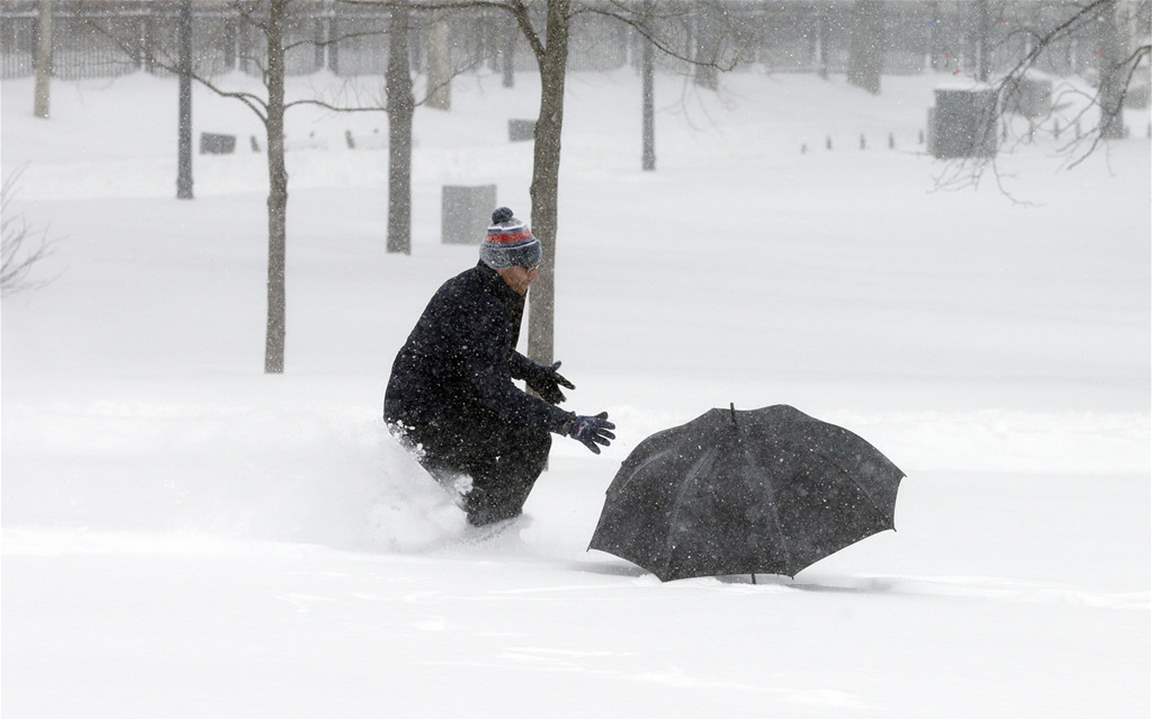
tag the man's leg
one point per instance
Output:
(505, 473)
(503, 459)
(433, 443)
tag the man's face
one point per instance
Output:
(520, 278)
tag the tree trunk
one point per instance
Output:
(184, 121)
(648, 153)
(230, 55)
(866, 46)
(334, 45)
(545, 180)
(439, 66)
(401, 107)
(822, 33)
(42, 92)
(148, 43)
(935, 56)
(509, 58)
(320, 59)
(707, 47)
(1113, 73)
(277, 191)
(983, 42)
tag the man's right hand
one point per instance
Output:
(592, 430)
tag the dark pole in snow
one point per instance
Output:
(184, 123)
(649, 131)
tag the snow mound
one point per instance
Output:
(283, 464)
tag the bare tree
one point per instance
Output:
(866, 48)
(184, 123)
(823, 39)
(401, 108)
(707, 36)
(983, 30)
(22, 246)
(551, 53)
(648, 97)
(1113, 85)
(508, 57)
(272, 19)
(401, 104)
(439, 64)
(1099, 112)
(549, 46)
(42, 92)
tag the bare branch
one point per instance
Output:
(254, 102)
(967, 172)
(524, 20)
(241, 7)
(434, 5)
(21, 248)
(430, 91)
(335, 40)
(1107, 114)
(641, 25)
(333, 108)
(518, 8)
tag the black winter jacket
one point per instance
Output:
(461, 358)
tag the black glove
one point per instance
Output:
(546, 382)
(590, 430)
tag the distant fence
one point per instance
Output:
(771, 35)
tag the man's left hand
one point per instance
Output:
(546, 381)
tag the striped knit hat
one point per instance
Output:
(510, 242)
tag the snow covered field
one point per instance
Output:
(184, 536)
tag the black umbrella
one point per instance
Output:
(746, 491)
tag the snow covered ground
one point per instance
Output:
(185, 536)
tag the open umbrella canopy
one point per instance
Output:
(746, 491)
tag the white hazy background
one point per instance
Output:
(184, 536)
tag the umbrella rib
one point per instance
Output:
(779, 527)
(708, 456)
(859, 487)
(775, 511)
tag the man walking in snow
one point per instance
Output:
(451, 393)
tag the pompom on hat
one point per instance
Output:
(509, 243)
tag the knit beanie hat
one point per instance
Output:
(510, 242)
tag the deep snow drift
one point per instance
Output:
(183, 535)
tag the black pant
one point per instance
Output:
(503, 458)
